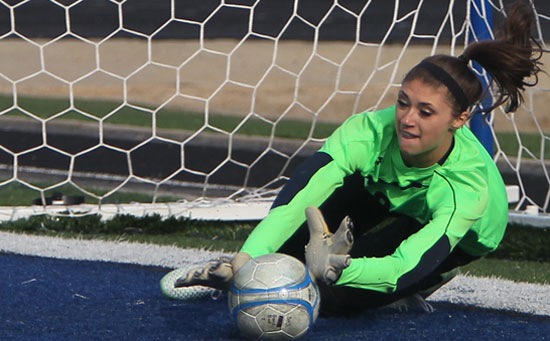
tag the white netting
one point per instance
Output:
(194, 101)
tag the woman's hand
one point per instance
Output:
(216, 273)
(327, 253)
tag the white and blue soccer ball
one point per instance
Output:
(274, 297)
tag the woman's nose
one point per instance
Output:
(408, 118)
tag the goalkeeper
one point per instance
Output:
(423, 195)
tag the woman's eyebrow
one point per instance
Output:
(403, 94)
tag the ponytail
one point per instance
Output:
(509, 60)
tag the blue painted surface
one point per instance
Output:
(51, 299)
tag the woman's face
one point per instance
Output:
(424, 123)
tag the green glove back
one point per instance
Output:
(327, 253)
(216, 273)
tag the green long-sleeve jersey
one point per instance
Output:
(460, 202)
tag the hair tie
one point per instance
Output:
(463, 58)
(451, 84)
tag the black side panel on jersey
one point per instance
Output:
(301, 178)
(428, 263)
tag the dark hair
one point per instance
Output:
(508, 59)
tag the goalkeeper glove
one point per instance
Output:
(216, 273)
(327, 253)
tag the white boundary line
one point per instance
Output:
(225, 210)
(201, 210)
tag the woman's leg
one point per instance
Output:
(351, 301)
(380, 241)
(368, 215)
(377, 233)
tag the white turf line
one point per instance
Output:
(467, 290)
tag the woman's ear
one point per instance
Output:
(461, 120)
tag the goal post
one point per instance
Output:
(481, 21)
(205, 108)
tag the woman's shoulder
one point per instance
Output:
(469, 164)
(362, 135)
(470, 152)
(383, 116)
(362, 125)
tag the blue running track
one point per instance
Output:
(52, 299)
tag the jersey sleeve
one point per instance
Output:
(456, 205)
(350, 148)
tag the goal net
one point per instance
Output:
(204, 108)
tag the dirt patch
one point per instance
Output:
(271, 80)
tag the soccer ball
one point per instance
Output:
(274, 297)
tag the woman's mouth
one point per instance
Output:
(408, 135)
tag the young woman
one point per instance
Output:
(423, 194)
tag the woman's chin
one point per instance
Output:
(409, 147)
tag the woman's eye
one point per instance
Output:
(401, 103)
(425, 113)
